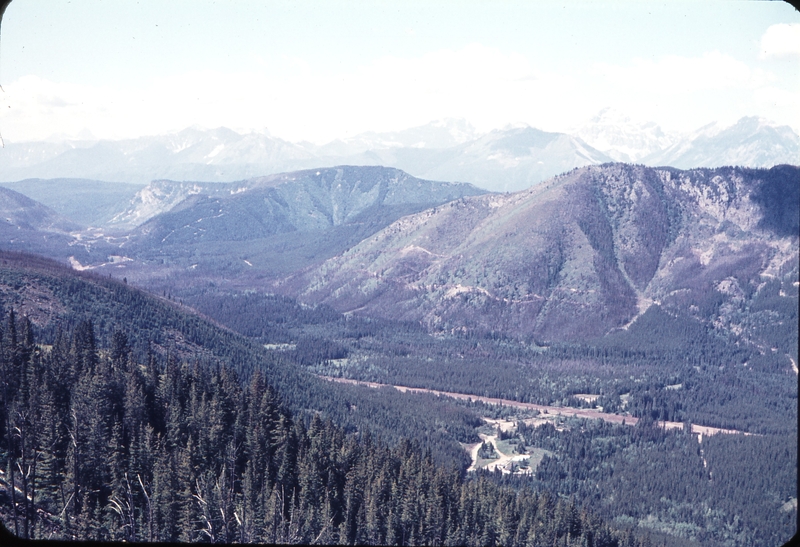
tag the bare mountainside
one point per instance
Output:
(577, 256)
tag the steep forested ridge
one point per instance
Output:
(97, 444)
(53, 296)
(165, 394)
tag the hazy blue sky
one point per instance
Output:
(321, 70)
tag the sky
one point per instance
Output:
(321, 70)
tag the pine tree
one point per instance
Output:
(187, 477)
(120, 351)
(165, 492)
(83, 349)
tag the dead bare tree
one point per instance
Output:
(149, 510)
(207, 519)
(126, 510)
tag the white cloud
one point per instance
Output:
(487, 86)
(34, 108)
(482, 84)
(780, 98)
(297, 101)
(782, 40)
(683, 93)
(675, 74)
(779, 104)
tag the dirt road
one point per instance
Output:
(473, 453)
(544, 409)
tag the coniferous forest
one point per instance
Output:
(131, 417)
(99, 445)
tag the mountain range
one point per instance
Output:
(509, 159)
(623, 139)
(751, 142)
(192, 154)
(659, 295)
(438, 134)
(578, 256)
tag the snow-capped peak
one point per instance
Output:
(621, 138)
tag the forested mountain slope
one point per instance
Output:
(20, 213)
(267, 226)
(367, 491)
(298, 201)
(578, 256)
(102, 442)
(56, 299)
(236, 232)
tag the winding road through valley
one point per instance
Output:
(543, 409)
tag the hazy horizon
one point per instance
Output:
(317, 72)
(86, 136)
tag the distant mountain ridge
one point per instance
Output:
(514, 159)
(316, 199)
(751, 142)
(438, 134)
(216, 155)
(86, 202)
(509, 159)
(617, 136)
